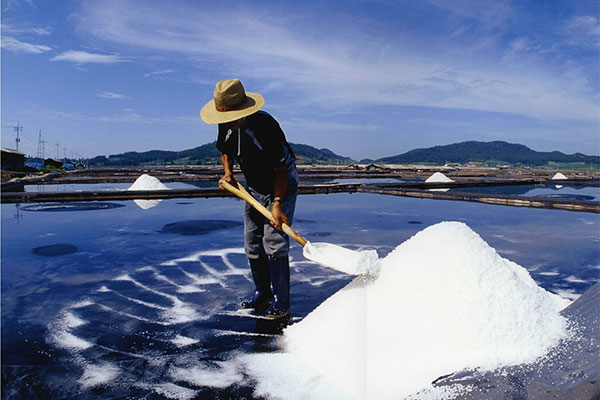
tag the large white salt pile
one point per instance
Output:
(147, 182)
(444, 301)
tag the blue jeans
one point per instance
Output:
(260, 237)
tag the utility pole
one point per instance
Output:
(41, 149)
(57, 150)
(18, 129)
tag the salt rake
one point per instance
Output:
(330, 255)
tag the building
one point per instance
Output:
(12, 159)
(53, 163)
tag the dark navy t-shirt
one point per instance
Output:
(259, 148)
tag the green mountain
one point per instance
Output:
(207, 154)
(491, 153)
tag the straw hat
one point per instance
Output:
(230, 102)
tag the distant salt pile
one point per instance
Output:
(438, 177)
(147, 182)
(559, 177)
(444, 301)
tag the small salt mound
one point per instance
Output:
(182, 341)
(438, 177)
(559, 176)
(444, 301)
(98, 375)
(147, 182)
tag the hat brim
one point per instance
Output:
(253, 103)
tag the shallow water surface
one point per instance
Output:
(134, 303)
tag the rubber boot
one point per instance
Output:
(280, 279)
(262, 281)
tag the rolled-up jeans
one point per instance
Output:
(260, 237)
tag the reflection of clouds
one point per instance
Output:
(574, 279)
(567, 294)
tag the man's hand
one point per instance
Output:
(229, 179)
(278, 216)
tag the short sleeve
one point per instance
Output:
(225, 142)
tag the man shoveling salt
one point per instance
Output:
(341, 259)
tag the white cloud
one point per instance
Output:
(111, 95)
(42, 31)
(583, 31)
(9, 4)
(17, 46)
(493, 12)
(341, 65)
(161, 72)
(83, 57)
(11, 29)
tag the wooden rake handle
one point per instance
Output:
(240, 192)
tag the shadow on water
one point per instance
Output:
(198, 227)
(54, 250)
(320, 234)
(54, 207)
(567, 196)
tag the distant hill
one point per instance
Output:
(306, 154)
(489, 153)
(492, 153)
(207, 154)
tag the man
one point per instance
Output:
(255, 140)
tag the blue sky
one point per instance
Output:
(362, 78)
